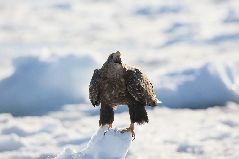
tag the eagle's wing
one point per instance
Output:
(94, 92)
(138, 85)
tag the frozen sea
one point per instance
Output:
(49, 49)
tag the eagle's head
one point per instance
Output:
(114, 58)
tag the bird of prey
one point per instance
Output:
(120, 84)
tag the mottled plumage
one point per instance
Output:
(119, 84)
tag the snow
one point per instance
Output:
(113, 144)
(203, 86)
(10, 143)
(40, 86)
(232, 16)
(187, 148)
(170, 133)
(105, 143)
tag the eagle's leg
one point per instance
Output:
(106, 116)
(138, 115)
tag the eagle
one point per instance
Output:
(117, 84)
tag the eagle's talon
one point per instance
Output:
(133, 136)
(130, 129)
(109, 126)
(105, 132)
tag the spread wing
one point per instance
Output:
(94, 92)
(139, 86)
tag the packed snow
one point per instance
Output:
(106, 143)
(49, 49)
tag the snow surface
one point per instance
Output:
(171, 133)
(106, 143)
